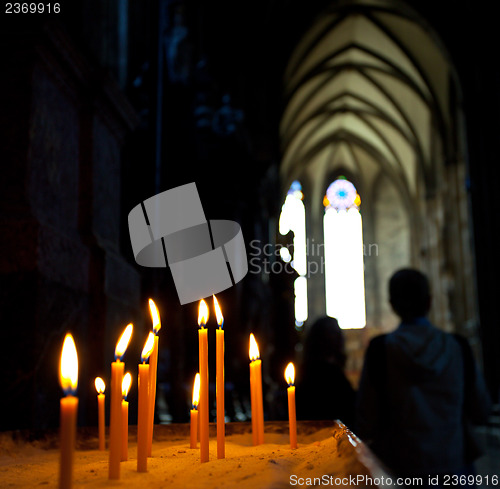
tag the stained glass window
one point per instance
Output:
(293, 218)
(341, 195)
(344, 267)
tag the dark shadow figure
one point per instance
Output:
(323, 391)
(420, 392)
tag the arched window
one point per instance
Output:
(344, 269)
(293, 218)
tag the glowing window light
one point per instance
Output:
(300, 289)
(293, 218)
(344, 269)
(341, 194)
(285, 254)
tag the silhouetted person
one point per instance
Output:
(323, 391)
(418, 389)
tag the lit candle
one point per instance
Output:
(256, 392)
(100, 387)
(292, 418)
(142, 415)
(68, 378)
(127, 381)
(153, 363)
(203, 406)
(253, 397)
(219, 382)
(115, 424)
(194, 412)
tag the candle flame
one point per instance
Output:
(290, 374)
(196, 391)
(68, 372)
(126, 383)
(100, 386)
(202, 314)
(218, 312)
(122, 344)
(155, 316)
(254, 349)
(148, 347)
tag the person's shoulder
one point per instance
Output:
(378, 341)
(374, 360)
(462, 340)
(464, 348)
(376, 346)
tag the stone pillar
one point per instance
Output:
(392, 235)
(315, 260)
(457, 243)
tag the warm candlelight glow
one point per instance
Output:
(122, 344)
(219, 382)
(153, 366)
(256, 392)
(68, 372)
(126, 383)
(68, 378)
(155, 316)
(202, 314)
(218, 312)
(196, 391)
(203, 359)
(148, 347)
(100, 386)
(292, 414)
(254, 349)
(290, 374)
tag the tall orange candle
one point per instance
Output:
(68, 378)
(194, 412)
(153, 365)
(143, 412)
(292, 418)
(203, 357)
(253, 398)
(100, 387)
(256, 392)
(115, 424)
(127, 381)
(219, 383)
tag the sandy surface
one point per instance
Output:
(324, 449)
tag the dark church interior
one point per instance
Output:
(108, 103)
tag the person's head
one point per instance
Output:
(325, 343)
(409, 294)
